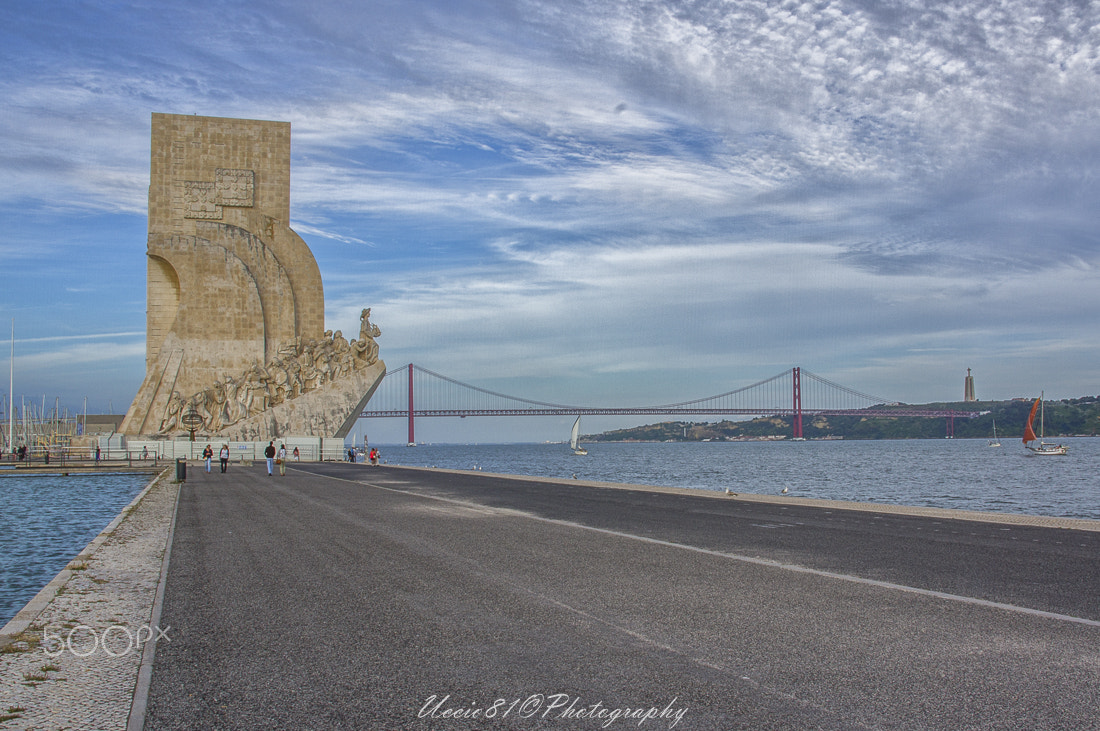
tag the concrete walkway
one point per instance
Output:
(351, 597)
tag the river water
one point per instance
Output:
(46, 520)
(963, 474)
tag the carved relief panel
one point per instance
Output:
(199, 200)
(234, 187)
(204, 200)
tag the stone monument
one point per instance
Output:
(235, 340)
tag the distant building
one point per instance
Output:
(968, 387)
(99, 423)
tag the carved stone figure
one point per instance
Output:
(366, 349)
(256, 397)
(310, 376)
(171, 419)
(217, 407)
(292, 349)
(367, 331)
(232, 404)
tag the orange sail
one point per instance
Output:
(1029, 433)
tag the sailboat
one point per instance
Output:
(1044, 448)
(994, 442)
(574, 435)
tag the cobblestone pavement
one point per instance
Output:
(70, 660)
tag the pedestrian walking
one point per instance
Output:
(207, 455)
(223, 457)
(269, 453)
(281, 459)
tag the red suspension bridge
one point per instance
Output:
(411, 391)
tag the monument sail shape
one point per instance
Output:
(235, 339)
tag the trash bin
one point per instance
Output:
(181, 470)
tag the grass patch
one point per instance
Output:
(13, 713)
(22, 642)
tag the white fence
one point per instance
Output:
(310, 449)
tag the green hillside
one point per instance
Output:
(1069, 417)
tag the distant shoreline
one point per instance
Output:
(592, 440)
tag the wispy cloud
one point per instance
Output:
(86, 336)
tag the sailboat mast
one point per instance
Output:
(11, 392)
(1042, 415)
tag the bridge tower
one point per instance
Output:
(412, 433)
(796, 379)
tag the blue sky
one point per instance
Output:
(606, 203)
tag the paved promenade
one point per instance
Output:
(351, 597)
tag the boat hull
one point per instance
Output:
(1047, 450)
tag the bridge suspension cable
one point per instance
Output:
(423, 392)
(465, 395)
(849, 391)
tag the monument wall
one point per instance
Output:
(232, 291)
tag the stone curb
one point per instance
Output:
(102, 469)
(136, 720)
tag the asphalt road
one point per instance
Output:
(351, 597)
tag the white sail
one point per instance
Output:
(574, 436)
